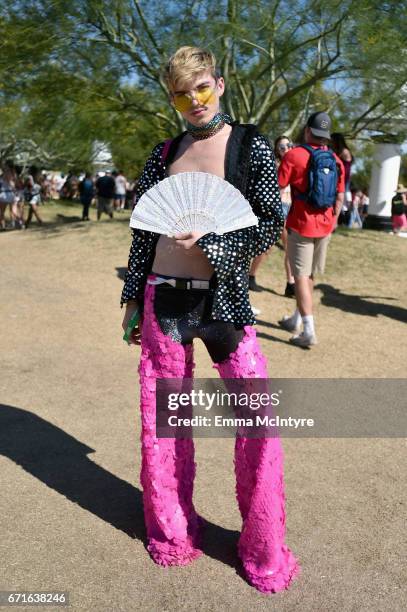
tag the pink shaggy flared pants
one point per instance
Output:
(168, 468)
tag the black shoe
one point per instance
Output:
(253, 286)
(289, 290)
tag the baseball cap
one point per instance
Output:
(320, 124)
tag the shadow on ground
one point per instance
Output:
(58, 226)
(267, 290)
(60, 461)
(267, 336)
(359, 304)
(62, 222)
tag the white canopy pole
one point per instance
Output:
(383, 184)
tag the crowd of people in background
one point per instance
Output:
(23, 191)
(21, 195)
(111, 191)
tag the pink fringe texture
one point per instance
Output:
(174, 529)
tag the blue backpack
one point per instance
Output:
(322, 178)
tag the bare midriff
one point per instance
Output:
(192, 156)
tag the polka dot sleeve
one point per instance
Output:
(143, 245)
(263, 193)
(223, 250)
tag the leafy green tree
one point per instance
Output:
(91, 69)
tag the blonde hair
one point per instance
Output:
(186, 63)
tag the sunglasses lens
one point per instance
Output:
(205, 95)
(182, 102)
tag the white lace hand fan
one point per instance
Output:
(192, 201)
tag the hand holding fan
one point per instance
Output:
(192, 202)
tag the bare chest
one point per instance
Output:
(201, 156)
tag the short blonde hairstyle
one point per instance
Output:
(186, 63)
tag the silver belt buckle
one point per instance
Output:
(159, 281)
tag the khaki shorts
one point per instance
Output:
(105, 204)
(306, 255)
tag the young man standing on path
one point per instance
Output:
(310, 225)
(195, 285)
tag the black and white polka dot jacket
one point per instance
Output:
(230, 254)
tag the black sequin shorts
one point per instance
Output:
(185, 314)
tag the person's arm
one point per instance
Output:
(284, 173)
(263, 194)
(338, 204)
(142, 250)
(346, 155)
(265, 199)
(113, 187)
(143, 244)
(139, 265)
(340, 187)
(131, 308)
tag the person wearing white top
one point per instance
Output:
(120, 193)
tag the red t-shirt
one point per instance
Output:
(303, 217)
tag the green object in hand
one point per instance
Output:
(132, 324)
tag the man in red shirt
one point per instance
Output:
(309, 227)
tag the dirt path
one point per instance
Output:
(69, 429)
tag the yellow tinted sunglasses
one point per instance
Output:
(183, 101)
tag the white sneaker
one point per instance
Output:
(304, 340)
(256, 311)
(288, 324)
